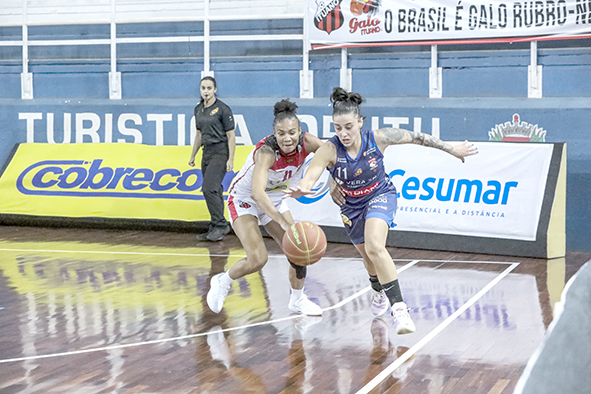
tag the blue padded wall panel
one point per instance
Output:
(68, 53)
(258, 63)
(12, 53)
(327, 75)
(271, 83)
(391, 83)
(501, 73)
(387, 75)
(564, 57)
(221, 49)
(61, 67)
(160, 50)
(175, 85)
(269, 26)
(566, 81)
(10, 33)
(485, 82)
(160, 65)
(390, 61)
(70, 32)
(71, 85)
(10, 85)
(126, 30)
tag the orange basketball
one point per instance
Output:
(304, 243)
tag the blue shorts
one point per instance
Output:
(382, 206)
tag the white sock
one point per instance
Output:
(296, 294)
(225, 280)
(399, 305)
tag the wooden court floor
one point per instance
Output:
(113, 311)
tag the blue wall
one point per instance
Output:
(483, 85)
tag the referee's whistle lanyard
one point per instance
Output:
(204, 103)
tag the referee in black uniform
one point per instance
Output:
(215, 132)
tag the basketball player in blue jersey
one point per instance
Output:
(256, 197)
(354, 158)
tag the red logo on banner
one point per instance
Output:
(370, 7)
(328, 15)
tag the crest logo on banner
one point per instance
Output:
(517, 131)
(328, 15)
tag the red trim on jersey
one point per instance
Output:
(232, 208)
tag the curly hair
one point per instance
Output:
(284, 109)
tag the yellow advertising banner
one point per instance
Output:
(126, 181)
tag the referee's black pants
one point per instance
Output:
(213, 168)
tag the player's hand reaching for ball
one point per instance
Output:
(463, 150)
(297, 192)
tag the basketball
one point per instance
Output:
(304, 243)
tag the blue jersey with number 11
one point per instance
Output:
(364, 176)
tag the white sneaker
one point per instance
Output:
(217, 294)
(379, 303)
(304, 306)
(402, 320)
(218, 347)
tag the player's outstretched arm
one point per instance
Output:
(393, 136)
(324, 157)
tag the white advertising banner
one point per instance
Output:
(497, 193)
(333, 23)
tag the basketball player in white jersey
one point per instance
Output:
(256, 197)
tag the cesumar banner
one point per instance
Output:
(497, 193)
(129, 181)
(341, 23)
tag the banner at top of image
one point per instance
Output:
(341, 23)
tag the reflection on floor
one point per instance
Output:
(91, 311)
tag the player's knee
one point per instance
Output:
(374, 250)
(258, 259)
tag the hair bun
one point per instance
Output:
(341, 95)
(338, 94)
(285, 106)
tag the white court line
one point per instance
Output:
(411, 352)
(156, 341)
(225, 255)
